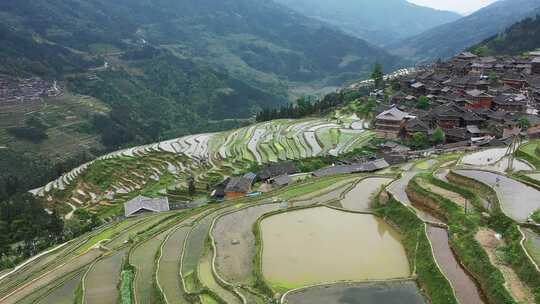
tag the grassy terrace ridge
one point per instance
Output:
(530, 152)
(463, 228)
(509, 229)
(418, 249)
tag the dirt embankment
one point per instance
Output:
(491, 245)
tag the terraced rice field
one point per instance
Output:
(235, 242)
(154, 168)
(518, 200)
(217, 254)
(65, 294)
(168, 273)
(102, 279)
(142, 258)
(359, 198)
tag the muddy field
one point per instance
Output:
(235, 242)
(302, 248)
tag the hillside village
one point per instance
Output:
(474, 100)
(16, 91)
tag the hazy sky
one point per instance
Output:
(461, 6)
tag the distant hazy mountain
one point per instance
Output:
(449, 39)
(380, 22)
(521, 37)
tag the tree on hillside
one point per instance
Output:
(438, 136)
(524, 123)
(365, 110)
(423, 103)
(191, 186)
(378, 75)
(419, 141)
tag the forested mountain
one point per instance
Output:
(521, 37)
(447, 40)
(136, 71)
(381, 22)
(173, 64)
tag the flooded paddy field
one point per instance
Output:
(517, 200)
(485, 157)
(359, 198)
(318, 245)
(64, 294)
(207, 279)
(532, 244)
(102, 279)
(169, 266)
(51, 276)
(464, 287)
(235, 242)
(142, 258)
(495, 160)
(401, 292)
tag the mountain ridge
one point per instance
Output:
(449, 39)
(379, 22)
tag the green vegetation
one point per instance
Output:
(521, 37)
(463, 228)
(536, 216)
(498, 221)
(529, 153)
(423, 103)
(419, 251)
(378, 75)
(126, 283)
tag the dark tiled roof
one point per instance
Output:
(278, 169)
(239, 184)
(145, 203)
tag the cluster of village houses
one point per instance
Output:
(473, 99)
(16, 91)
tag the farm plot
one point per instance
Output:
(64, 294)
(235, 242)
(532, 244)
(464, 287)
(168, 273)
(518, 200)
(359, 198)
(324, 193)
(300, 248)
(207, 279)
(37, 267)
(193, 251)
(142, 258)
(401, 292)
(100, 284)
(50, 277)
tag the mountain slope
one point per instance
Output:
(168, 68)
(449, 39)
(257, 38)
(380, 22)
(521, 37)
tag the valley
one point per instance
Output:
(265, 152)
